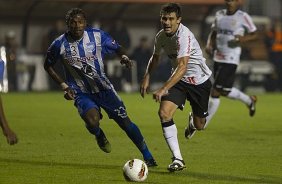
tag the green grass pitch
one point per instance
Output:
(55, 148)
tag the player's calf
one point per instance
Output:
(103, 142)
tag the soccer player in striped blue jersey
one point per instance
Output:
(81, 50)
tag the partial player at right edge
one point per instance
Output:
(224, 45)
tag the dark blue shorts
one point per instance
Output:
(107, 100)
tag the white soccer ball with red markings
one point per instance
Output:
(135, 170)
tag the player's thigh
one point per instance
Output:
(92, 116)
(167, 110)
(176, 95)
(112, 104)
(86, 106)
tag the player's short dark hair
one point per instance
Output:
(72, 13)
(171, 7)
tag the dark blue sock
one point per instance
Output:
(94, 130)
(135, 135)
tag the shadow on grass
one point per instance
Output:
(50, 163)
(222, 177)
(161, 171)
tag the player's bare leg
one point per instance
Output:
(195, 123)
(91, 119)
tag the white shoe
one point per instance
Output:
(176, 165)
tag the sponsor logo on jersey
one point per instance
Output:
(90, 47)
(78, 60)
(225, 31)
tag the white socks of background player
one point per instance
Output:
(239, 95)
(213, 106)
(214, 102)
(170, 135)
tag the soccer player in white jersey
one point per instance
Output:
(7, 131)
(189, 78)
(230, 29)
(81, 51)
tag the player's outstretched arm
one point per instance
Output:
(211, 43)
(7, 131)
(69, 93)
(246, 38)
(124, 59)
(175, 77)
(152, 64)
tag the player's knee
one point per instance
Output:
(92, 118)
(164, 115)
(92, 121)
(199, 123)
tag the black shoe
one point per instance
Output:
(252, 106)
(190, 130)
(103, 142)
(151, 163)
(176, 165)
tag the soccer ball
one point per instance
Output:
(135, 170)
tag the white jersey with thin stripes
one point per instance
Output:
(183, 43)
(227, 27)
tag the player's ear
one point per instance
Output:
(179, 20)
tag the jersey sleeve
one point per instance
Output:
(53, 52)
(109, 45)
(248, 23)
(157, 45)
(184, 44)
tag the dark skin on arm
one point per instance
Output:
(10, 135)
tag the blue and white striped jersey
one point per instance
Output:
(83, 59)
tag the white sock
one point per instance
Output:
(170, 135)
(192, 122)
(239, 95)
(213, 106)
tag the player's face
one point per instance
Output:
(76, 26)
(170, 23)
(232, 5)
